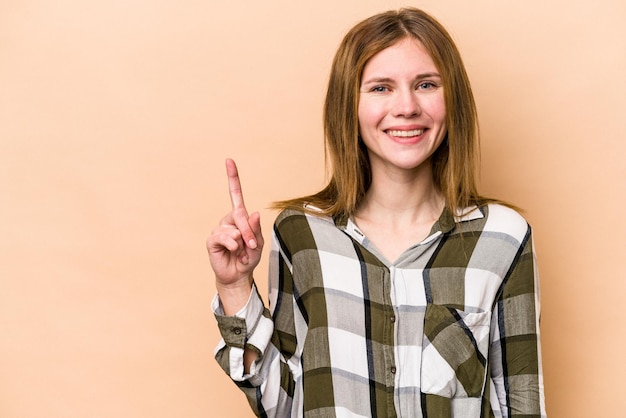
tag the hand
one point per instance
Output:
(235, 246)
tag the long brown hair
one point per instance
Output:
(454, 162)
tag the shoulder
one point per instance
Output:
(301, 225)
(502, 219)
(307, 214)
(493, 219)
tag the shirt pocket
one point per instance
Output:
(454, 352)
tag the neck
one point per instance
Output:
(402, 198)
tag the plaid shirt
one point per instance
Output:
(450, 329)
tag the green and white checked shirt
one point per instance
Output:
(450, 329)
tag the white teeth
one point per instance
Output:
(406, 134)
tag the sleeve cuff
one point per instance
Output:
(237, 329)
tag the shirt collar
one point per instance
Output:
(445, 223)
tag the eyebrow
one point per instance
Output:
(391, 80)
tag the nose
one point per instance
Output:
(406, 104)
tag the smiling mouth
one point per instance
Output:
(405, 134)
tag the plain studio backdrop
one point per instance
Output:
(116, 118)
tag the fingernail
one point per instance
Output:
(252, 244)
(244, 259)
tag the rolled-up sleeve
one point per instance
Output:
(247, 329)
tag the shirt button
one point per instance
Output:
(393, 318)
(237, 331)
(393, 369)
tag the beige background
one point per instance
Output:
(115, 119)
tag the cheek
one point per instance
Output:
(441, 116)
(359, 116)
(439, 110)
(369, 116)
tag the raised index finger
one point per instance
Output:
(234, 185)
(239, 213)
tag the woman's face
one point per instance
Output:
(402, 113)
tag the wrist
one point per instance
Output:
(234, 296)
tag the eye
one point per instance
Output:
(379, 89)
(427, 85)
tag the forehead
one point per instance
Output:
(406, 55)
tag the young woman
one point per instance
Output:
(396, 291)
